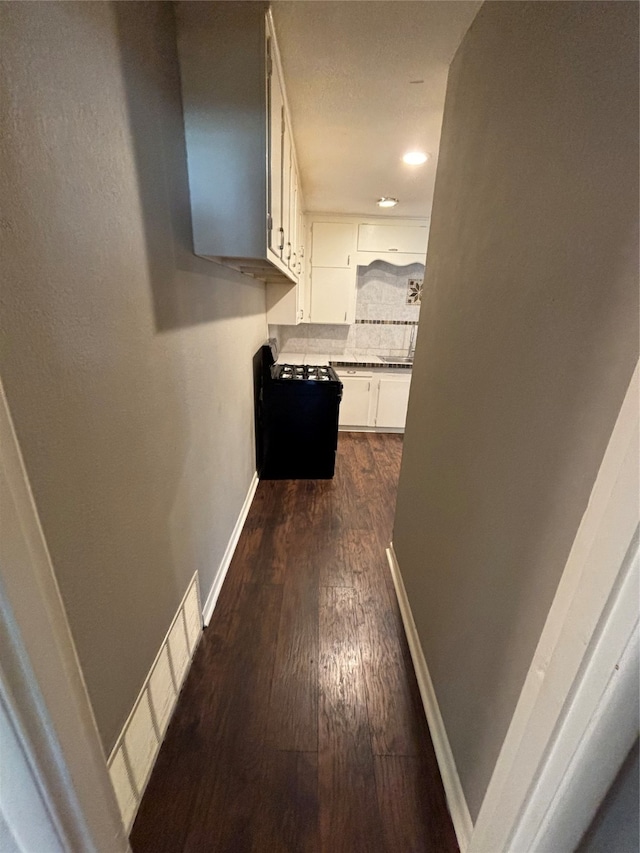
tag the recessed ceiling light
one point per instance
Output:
(386, 201)
(415, 158)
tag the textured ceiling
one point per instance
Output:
(349, 67)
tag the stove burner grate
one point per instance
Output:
(306, 372)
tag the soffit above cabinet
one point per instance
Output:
(349, 68)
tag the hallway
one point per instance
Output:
(300, 726)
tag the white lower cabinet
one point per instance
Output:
(393, 399)
(374, 400)
(356, 399)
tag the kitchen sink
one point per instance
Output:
(397, 359)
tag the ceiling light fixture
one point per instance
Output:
(415, 158)
(387, 201)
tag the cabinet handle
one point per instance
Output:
(345, 316)
(289, 255)
(392, 250)
(302, 313)
(281, 246)
(350, 371)
(348, 260)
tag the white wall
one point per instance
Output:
(127, 362)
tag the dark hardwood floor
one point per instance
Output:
(300, 726)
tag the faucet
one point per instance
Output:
(412, 342)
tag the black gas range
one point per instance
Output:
(298, 420)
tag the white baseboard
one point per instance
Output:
(136, 749)
(381, 430)
(456, 799)
(223, 568)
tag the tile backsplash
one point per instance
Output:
(384, 319)
(382, 292)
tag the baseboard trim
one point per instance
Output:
(136, 749)
(456, 800)
(223, 568)
(381, 430)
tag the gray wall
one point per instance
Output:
(616, 826)
(527, 341)
(126, 360)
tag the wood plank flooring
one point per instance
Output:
(300, 726)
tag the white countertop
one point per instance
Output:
(324, 358)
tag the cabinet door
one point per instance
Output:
(332, 293)
(334, 244)
(292, 253)
(276, 124)
(354, 407)
(300, 232)
(286, 193)
(393, 397)
(410, 239)
(303, 270)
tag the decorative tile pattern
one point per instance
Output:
(414, 291)
(375, 365)
(384, 317)
(382, 291)
(388, 322)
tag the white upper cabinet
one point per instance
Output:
(340, 244)
(333, 244)
(290, 198)
(243, 177)
(332, 295)
(275, 113)
(333, 265)
(404, 239)
(288, 304)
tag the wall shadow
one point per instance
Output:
(186, 289)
